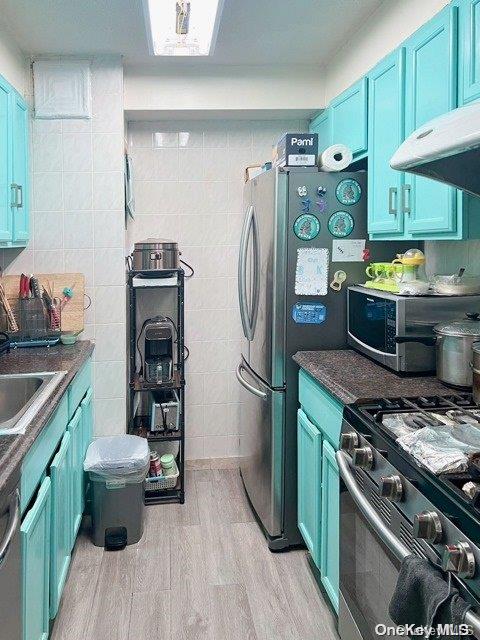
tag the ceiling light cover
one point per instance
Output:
(204, 17)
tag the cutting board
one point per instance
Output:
(73, 313)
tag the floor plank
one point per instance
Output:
(232, 618)
(150, 618)
(191, 606)
(223, 566)
(270, 609)
(110, 615)
(231, 495)
(303, 595)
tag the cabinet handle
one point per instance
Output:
(14, 189)
(392, 197)
(407, 190)
(20, 199)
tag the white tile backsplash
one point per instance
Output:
(77, 226)
(189, 179)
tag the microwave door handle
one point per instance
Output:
(393, 543)
(429, 341)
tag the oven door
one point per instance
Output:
(368, 571)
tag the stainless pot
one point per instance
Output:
(155, 254)
(476, 371)
(454, 350)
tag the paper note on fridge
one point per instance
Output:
(348, 250)
(311, 276)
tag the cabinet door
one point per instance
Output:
(349, 118)
(431, 87)
(322, 125)
(329, 539)
(35, 537)
(309, 454)
(469, 50)
(386, 129)
(20, 208)
(87, 419)
(5, 162)
(60, 472)
(76, 473)
(87, 431)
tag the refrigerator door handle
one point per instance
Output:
(242, 273)
(246, 385)
(256, 275)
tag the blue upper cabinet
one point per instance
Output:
(348, 113)
(5, 161)
(20, 191)
(322, 124)
(14, 176)
(469, 51)
(386, 126)
(431, 90)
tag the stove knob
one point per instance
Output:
(363, 457)
(427, 526)
(348, 441)
(391, 488)
(459, 559)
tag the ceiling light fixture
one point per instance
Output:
(182, 27)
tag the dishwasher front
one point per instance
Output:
(10, 567)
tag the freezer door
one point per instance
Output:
(261, 448)
(267, 338)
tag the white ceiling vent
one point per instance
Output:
(62, 88)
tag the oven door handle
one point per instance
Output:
(392, 542)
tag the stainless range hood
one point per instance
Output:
(446, 149)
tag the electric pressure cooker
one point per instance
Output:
(155, 254)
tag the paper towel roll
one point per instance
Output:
(335, 158)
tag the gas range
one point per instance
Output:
(392, 506)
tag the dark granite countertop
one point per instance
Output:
(59, 358)
(349, 376)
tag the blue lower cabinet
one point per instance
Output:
(76, 474)
(61, 536)
(330, 522)
(35, 538)
(309, 483)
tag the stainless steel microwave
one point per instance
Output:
(397, 331)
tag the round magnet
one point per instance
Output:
(306, 227)
(340, 224)
(348, 191)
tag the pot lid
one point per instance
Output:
(155, 243)
(469, 326)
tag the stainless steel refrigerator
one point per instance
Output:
(287, 210)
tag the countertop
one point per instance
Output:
(30, 360)
(349, 377)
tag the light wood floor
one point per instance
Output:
(201, 571)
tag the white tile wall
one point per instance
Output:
(78, 225)
(449, 257)
(188, 187)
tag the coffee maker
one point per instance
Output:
(159, 340)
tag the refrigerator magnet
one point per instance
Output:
(311, 273)
(341, 224)
(309, 313)
(306, 227)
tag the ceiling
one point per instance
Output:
(252, 32)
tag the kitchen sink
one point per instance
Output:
(22, 396)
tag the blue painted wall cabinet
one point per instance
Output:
(348, 113)
(386, 131)
(469, 51)
(322, 125)
(14, 177)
